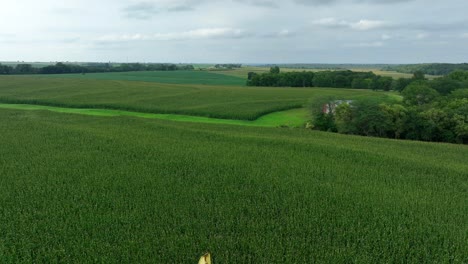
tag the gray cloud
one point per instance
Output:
(362, 24)
(143, 10)
(279, 34)
(439, 26)
(369, 24)
(260, 3)
(236, 30)
(146, 10)
(330, 2)
(180, 8)
(374, 44)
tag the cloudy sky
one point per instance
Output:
(244, 31)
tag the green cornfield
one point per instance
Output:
(218, 101)
(86, 189)
(174, 77)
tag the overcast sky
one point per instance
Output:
(244, 31)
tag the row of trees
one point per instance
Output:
(60, 68)
(337, 79)
(428, 68)
(356, 80)
(228, 66)
(429, 112)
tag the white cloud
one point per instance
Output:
(203, 33)
(363, 24)
(464, 35)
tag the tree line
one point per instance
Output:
(228, 66)
(336, 79)
(434, 110)
(428, 68)
(61, 68)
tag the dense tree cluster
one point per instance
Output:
(228, 66)
(338, 79)
(431, 111)
(60, 68)
(429, 68)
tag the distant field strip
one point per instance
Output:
(215, 101)
(291, 118)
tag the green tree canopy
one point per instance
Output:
(275, 70)
(419, 93)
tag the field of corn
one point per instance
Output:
(170, 77)
(220, 101)
(105, 188)
(85, 189)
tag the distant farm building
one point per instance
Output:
(331, 106)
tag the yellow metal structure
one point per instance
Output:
(205, 259)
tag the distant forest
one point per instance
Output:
(429, 68)
(62, 68)
(355, 80)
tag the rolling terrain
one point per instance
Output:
(95, 189)
(220, 101)
(98, 171)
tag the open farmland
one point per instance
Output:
(239, 131)
(242, 72)
(229, 102)
(170, 77)
(77, 189)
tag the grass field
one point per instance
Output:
(229, 102)
(81, 189)
(289, 118)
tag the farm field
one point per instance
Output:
(240, 131)
(228, 102)
(98, 171)
(290, 118)
(171, 77)
(395, 74)
(77, 189)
